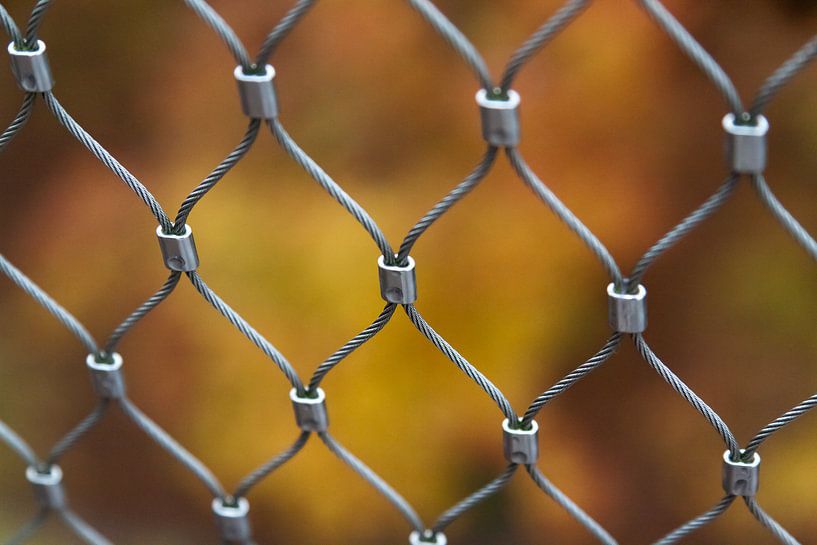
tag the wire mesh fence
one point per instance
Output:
(498, 104)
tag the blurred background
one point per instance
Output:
(616, 121)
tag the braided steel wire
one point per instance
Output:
(566, 15)
(74, 435)
(783, 75)
(780, 422)
(108, 160)
(336, 191)
(36, 19)
(247, 330)
(210, 16)
(30, 528)
(19, 120)
(567, 216)
(691, 397)
(465, 366)
(778, 531)
(457, 40)
(287, 23)
(474, 499)
(46, 301)
(708, 208)
(133, 318)
(696, 53)
(214, 177)
(375, 480)
(353, 344)
(444, 205)
(568, 505)
(539, 39)
(698, 522)
(11, 28)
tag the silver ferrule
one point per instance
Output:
(741, 478)
(500, 118)
(427, 538)
(627, 312)
(107, 378)
(179, 251)
(397, 284)
(746, 145)
(520, 446)
(257, 92)
(31, 68)
(310, 413)
(47, 487)
(233, 521)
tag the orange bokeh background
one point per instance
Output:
(616, 120)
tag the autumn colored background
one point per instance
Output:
(616, 120)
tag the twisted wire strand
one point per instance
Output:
(769, 523)
(247, 330)
(11, 28)
(464, 365)
(78, 432)
(271, 465)
(336, 191)
(783, 216)
(555, 24)
(172, 447)
(444, 205)
(216, 22)
(566, 215)
(697, 523)
(20, 120)
(566, 14)
(783, 75)
(7, 435)
(474, 499)
(780, 422)
(28, 530)
(18, 445)
(108, 160)
(707, 209)
(572, 378)
(696, 53)
(374, 479)
(133, 318)
(568, 505)
(353, 344)
(46, 301)
(282, 30)
(216, 175)
(456, 39)
(81, 528)
(36, 20)
(686, 392)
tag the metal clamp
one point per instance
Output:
(741, 478)
(233, 521)
(627, 312)
(47, 486)
(179, 251)
(746, 144)
(310, 412)
(106, 378)
(257, 91)
(31, 68)
(520, 446)
(397, 284)
(500, 118)
(427, 538)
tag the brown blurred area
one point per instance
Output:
(616, 121)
